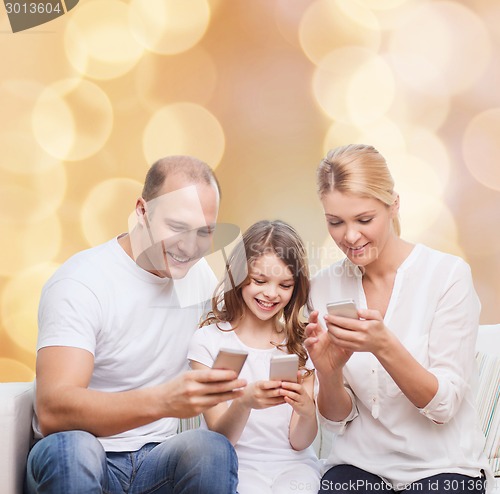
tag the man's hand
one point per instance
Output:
(194, 391)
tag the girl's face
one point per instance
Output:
(270, 288)
(360, 226)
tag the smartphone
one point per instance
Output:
(284, 368)
(230, 359)
(344, 308)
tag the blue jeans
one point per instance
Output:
(74, 462)
(354, 480)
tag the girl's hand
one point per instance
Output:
(368, 334)
(296, 395)
(326, 355)
(262, 394)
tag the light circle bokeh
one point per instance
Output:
(379, 4)
(19, 304)
(354, 85)
(72, 119)
(420, 189)
(107, 207)
(382, 134)
(168, 26)
(450, 57)
(187, 129)
(22, 154)
(428, 146)
(26, 244)
(32, 197)
(14, 371)
(481, 148)
(325, 27)
(98, 40)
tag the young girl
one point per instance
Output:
(256, 308)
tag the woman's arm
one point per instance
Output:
(334, 403)
(438, 388)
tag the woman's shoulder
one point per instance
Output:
(431, 256)
(338, 268)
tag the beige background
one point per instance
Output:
(260, 89)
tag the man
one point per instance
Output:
(114, 325)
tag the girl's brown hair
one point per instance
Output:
(263, 237)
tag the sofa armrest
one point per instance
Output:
(16, 413)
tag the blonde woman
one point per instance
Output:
(394, 383)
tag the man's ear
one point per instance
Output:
(141, 209)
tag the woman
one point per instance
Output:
(394, 385)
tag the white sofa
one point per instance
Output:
(16, 411)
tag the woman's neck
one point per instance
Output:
(394, 254)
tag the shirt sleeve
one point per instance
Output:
(201, 347)
(69, 315)
(452, 341)
(339, 427)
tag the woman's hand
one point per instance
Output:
(323, 349)
(367, 334)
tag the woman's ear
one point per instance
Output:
(395, 205)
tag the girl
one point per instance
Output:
(256, 308)
(394, 385)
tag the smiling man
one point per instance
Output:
(112, 375)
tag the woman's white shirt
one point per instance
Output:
(434, 312)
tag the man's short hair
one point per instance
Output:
(192, 168)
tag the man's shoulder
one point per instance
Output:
(86, 264)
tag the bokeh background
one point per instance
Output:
(260, 89)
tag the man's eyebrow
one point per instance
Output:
(208, 227)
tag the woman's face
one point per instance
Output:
(360, 226)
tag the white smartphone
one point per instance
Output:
(284, 368)
(230, 359)
(344, 308)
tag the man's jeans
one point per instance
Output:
(74, 462)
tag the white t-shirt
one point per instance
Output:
(434, 311)
(131, 321)
(264, 441)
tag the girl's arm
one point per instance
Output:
(231, 420)
(303, 424)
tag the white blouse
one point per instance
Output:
(434, 311)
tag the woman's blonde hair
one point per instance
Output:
(357, 169)
(264, 237)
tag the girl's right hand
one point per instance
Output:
(262, 394)
(325, 354)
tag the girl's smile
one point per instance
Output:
(270, 287)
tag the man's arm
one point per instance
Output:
(65, 403)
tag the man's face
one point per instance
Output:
(176, 228)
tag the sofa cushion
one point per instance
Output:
(488, 406)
